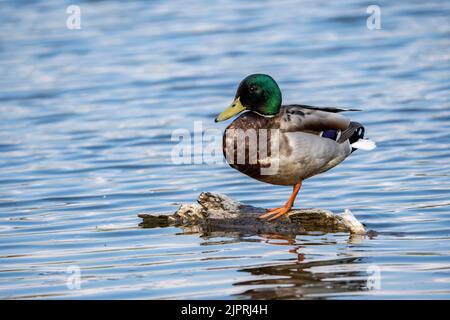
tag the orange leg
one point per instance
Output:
(279, 212)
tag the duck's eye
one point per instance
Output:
(253, 88)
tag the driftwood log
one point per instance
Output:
(217, 212)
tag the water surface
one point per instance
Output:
(85, 145)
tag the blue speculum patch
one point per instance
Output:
(331, 134)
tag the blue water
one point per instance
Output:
(85, 145)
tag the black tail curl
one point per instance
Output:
(358, 134)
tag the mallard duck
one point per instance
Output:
(309, 140)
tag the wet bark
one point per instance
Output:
(217, 212)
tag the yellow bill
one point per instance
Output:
(234, 108)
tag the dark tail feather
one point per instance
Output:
(358, 134)
(353, 133)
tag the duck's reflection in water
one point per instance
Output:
(298, 279)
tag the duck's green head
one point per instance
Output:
(258, 93)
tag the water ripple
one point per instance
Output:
(87, 119)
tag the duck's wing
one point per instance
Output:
(327, 123)
(312, 119)
(326, 109)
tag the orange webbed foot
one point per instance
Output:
(276, 213)
(273, 214)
